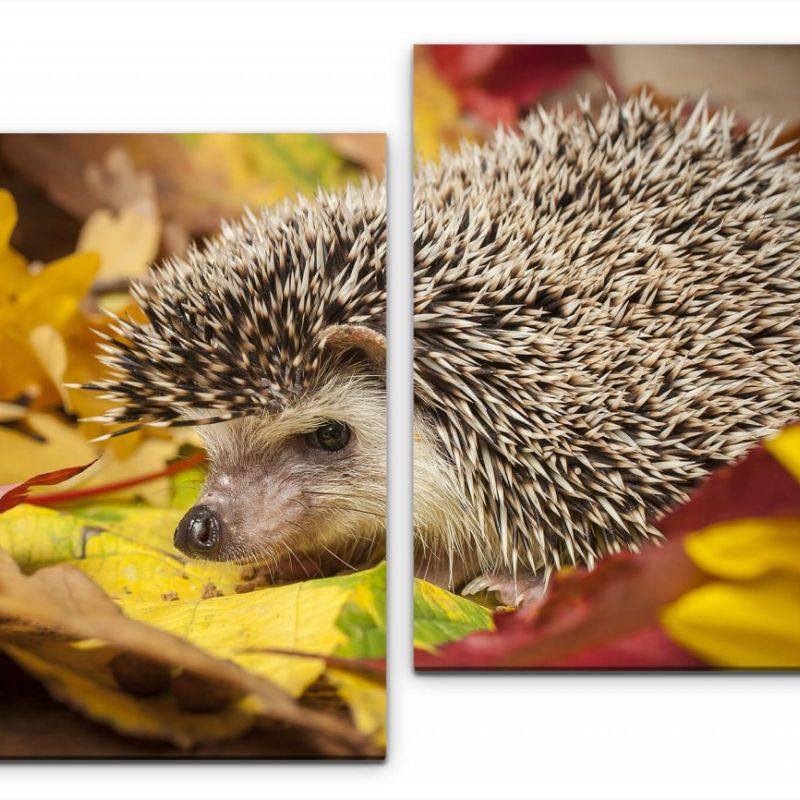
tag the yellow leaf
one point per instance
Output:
(53, 295)
(746, 548)
(437, 114)
(367, 701)
(785, 447)
(13, 267)
(8, 218)
(299, 616)
(48, 345)
(441, 616)
(62, 599)
(745, 624)
(58, 444)
(129, 553)
(747, 615)
(126, 243)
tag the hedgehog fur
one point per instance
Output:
(606, 307)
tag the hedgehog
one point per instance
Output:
(270, 338)
(605, 308)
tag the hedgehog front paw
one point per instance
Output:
(520, 590)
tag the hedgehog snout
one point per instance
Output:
(199, 533)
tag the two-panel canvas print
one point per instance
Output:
(193, 394)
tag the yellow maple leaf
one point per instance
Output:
(126, 242)
(30, 300)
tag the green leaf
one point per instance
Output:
(363, 618)
(441, 616)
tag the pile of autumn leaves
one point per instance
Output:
(95, 602)
(47, 339)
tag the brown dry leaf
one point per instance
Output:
(117, 185)
(201, 179)
(62, 600)
(83, 678)
(82, 172)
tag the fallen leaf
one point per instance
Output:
(723, 590)
(48, 346)
(43, 446)
(13, 494)
(127, 242)
(441, 616)
(13, 266)
(587, 619)
(498, 83)
(62, 599)
(363, 617)
(283, 633)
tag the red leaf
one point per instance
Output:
(489, 107)
(12, 494)
(105, 488)
(595, 619)
(648, 648)
(756, 486)
(460, 63)
(497, 82)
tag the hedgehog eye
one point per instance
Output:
(331, 436)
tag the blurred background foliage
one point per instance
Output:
(465, 91)
(81, 216)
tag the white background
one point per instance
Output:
(314, 66)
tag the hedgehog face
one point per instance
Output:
(303, 489)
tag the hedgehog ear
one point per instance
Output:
(365, 343)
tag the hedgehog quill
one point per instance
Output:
(606, 308)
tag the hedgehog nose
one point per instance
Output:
(199, 532)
